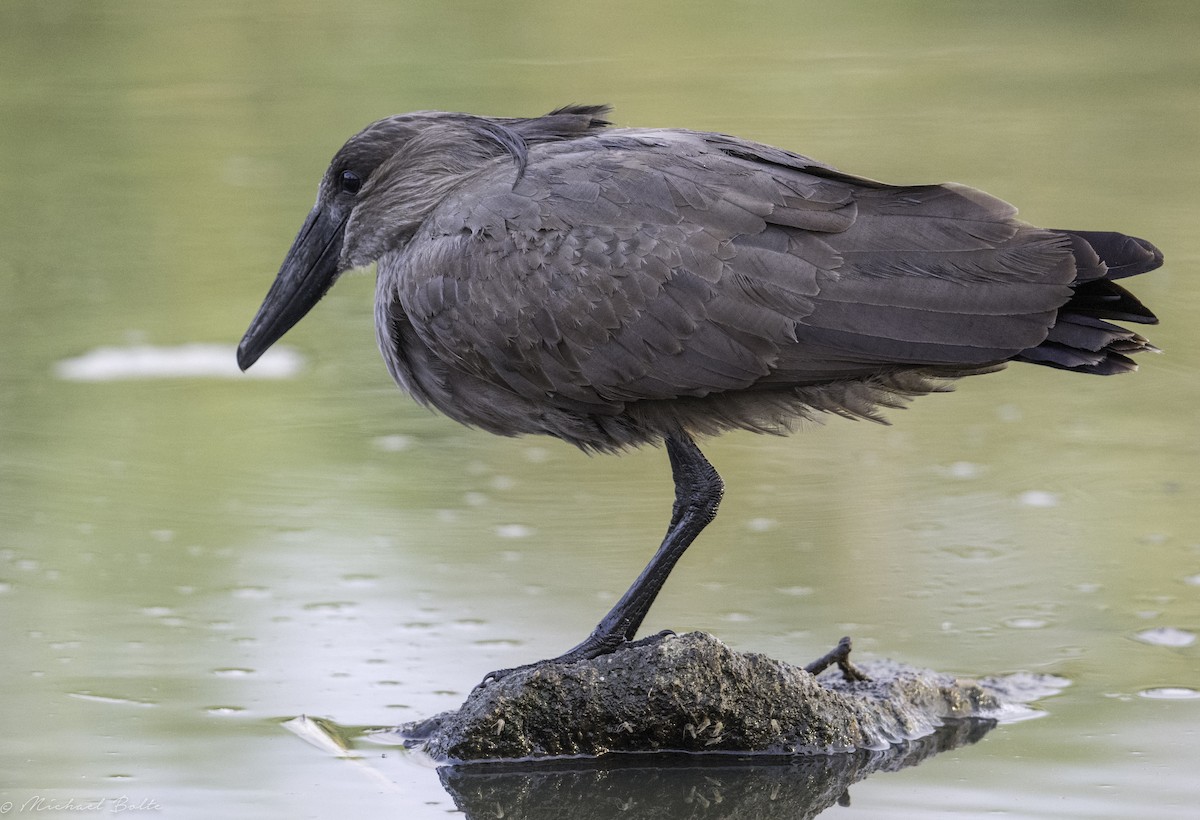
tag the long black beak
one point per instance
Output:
(308, 271)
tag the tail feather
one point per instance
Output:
(1107, 300)
(1122, 255)
(1064, 357)
(1081, 340)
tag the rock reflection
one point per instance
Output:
(714, 787)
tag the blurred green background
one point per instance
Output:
(185, 561)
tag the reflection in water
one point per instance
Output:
(183, 361)
(691, 786)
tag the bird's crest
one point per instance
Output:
(515, 135)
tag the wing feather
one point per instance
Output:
(639, 266)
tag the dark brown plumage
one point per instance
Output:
(614, 287)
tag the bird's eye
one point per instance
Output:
(350, 182)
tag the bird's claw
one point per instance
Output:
(500, 674)
(592, 648)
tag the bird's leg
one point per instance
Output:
(698, 491)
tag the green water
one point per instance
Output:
(186, 562)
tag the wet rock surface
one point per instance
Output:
(692, 694)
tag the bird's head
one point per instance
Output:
(321, 252)
(380, 187)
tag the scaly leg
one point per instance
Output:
(698, 491)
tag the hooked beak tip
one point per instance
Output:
(244, 357)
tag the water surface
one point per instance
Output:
(189, 557)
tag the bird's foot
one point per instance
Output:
(839, 655)
(595, 646)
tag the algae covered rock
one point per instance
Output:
(693, 694)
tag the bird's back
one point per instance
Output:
(617, 286)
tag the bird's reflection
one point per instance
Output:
(654, 786)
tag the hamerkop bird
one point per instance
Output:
(614, 287)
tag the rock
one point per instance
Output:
(691, 693)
